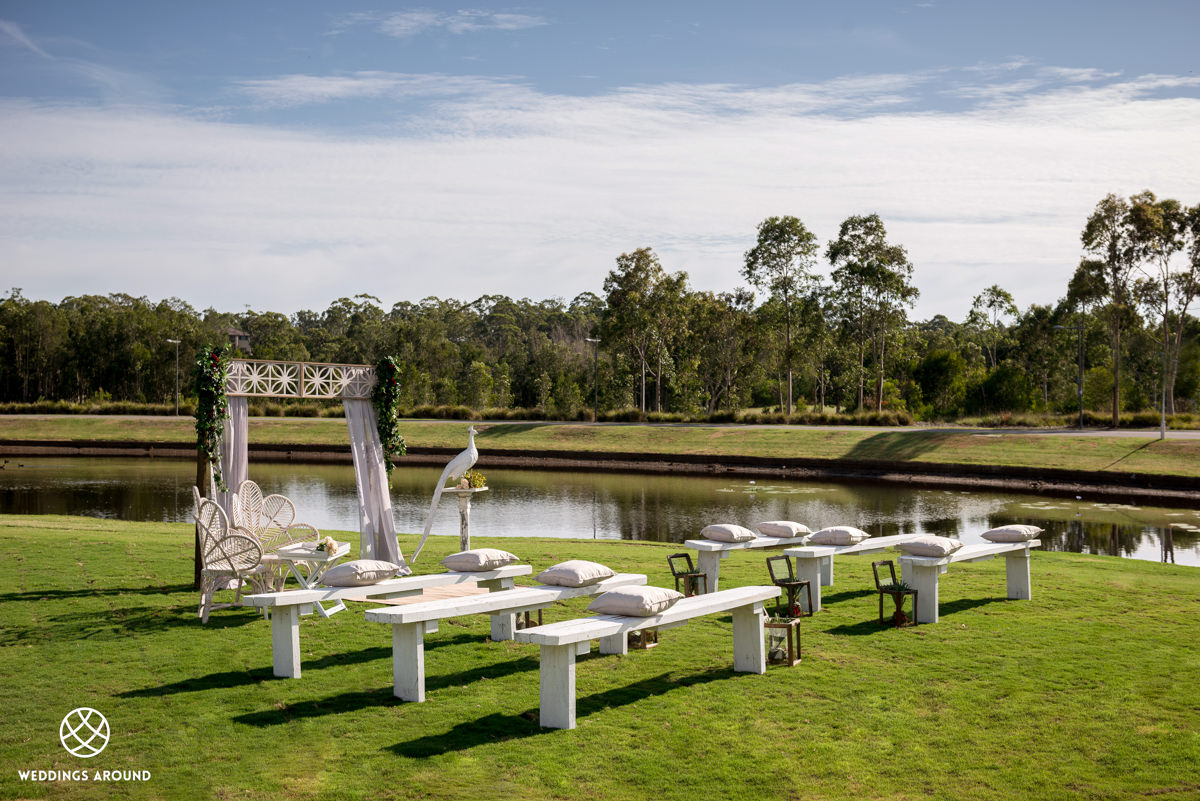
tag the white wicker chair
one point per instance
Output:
(271, 519)
(231, 557)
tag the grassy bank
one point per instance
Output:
(1086, 691)
(1094, 453)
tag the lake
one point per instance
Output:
(664, 508)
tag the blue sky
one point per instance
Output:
(281, 155)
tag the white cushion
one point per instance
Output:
(575, 573)
(359, 573)
(930, 546)
(838, 535)
(478, 560)
(635, 601)
(1013, 533)
(782, 528)
(726, 532)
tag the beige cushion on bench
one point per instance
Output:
(782, 528)
(478, 560)
(1018, 532)
(635, 601)
(930, 546)
(838, 535)
(727, 532)
(575, 573)
(359, 573)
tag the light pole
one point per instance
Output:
(175, 342)
(1079, 329)
(595, 378)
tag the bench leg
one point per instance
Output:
(810, 570)
(557, 694)
(616, 644)
(285, 642)
(749, 651)
(503, 626)
(408, 661)
(495, 585)
(710, 566)
(925, 581)
(826, 571)
(1020, 588)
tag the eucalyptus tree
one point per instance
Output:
(721, 343)
(988, 312)
(1105, 279)
(1158, 234)
(644, 314)
(781, 263)
(872, 284)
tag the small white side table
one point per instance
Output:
(316, 562)
(464, 513)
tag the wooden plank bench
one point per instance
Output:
(562, 642)
(921, 572)
(285, 606)
(410, 622)
(814, 563)
(710, 553)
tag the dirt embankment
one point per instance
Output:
(1136, 487)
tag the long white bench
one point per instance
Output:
(710, 553)
(285, 606)
(814, 563)
(562, 642)
(921, 572)
(410, 622)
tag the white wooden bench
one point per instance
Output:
(285, 606)
(562, 642)
(410, 622)
(921, 572)
(814, 563)
(710, 553)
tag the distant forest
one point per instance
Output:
(791, 340)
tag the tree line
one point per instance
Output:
(814, 328)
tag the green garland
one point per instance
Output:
(212, 369)
(386, 400)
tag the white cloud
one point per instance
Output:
(14, 32)
(411, 22)
(508, 190)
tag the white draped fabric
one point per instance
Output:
(234, 454)
(376, 527)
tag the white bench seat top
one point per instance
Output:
(971, 553)
(757, 542)
(591, 628)
(869, 545)
(518, 599)
(391, 586)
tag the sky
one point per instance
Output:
(276, 156)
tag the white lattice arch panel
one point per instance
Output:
(257, 378)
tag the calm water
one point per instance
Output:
(528, 503)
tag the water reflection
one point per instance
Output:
(668, 508)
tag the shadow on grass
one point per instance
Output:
(238, 678)
(359, 700)
(508, 429)
(498, 728)
(872, 625)
(1126, 456)
(900, 446)
(53, 595)
(110, 624)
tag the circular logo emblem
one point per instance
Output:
(84, 732)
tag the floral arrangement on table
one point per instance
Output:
(212, 408)
(472, 479)
(329, 545)
(385, 397)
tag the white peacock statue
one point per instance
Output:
(453, 472)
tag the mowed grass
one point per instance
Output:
(909, 447)
(1087, 691)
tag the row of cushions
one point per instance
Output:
(834, 535)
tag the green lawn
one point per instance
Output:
(1099, 454)
(1087, 691)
